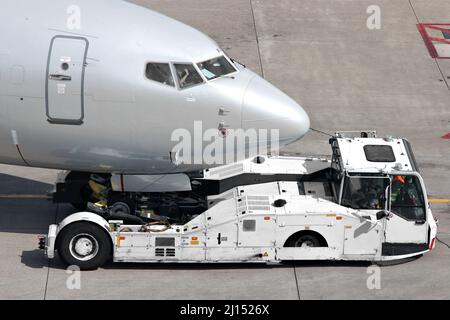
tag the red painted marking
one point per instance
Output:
(429, 40)
(121, 183)
(21, 155)
(447, 136)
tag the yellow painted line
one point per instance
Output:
(23, 196)
(439, 200)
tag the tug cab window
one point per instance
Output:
(365, 193)
(215, 68)
(187, 75)
(160, 72)
(407, 198)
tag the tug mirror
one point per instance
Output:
(381, 215)
(387, 193)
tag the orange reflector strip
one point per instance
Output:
(119, 238)
(194, 238)
(338, 218)
(432, 244)
(266, 218)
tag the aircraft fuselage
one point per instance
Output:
(74, 93)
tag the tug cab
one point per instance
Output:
(381, 175)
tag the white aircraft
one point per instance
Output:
(100, 87)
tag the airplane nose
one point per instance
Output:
(266, 107)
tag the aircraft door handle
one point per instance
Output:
(60, 77)
(223, 125)
(223, 111)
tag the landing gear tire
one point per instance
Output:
(304, 241)
(84, 245)
(123, 207)
(120, 208)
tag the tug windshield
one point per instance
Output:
(216, 68)
(365, 193)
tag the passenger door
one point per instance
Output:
(362, 237)
(65, 80)
(408, 210)
(366, 195)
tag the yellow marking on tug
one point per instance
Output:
(119, 238)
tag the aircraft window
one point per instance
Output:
(160, 72)
(215, 68)
(407, 198)
(187, 75)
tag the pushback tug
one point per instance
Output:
(368, 202)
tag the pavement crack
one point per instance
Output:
(55, 220)
(443, 242)
(296, 283)
(46, 280)
(257, 38)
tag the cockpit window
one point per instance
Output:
(215, 68)
(187, 75)
(160, 72)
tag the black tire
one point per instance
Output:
(87, 237)
(307, 240)
(125, 200)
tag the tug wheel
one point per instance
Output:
(85, 245)
(305, 240)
